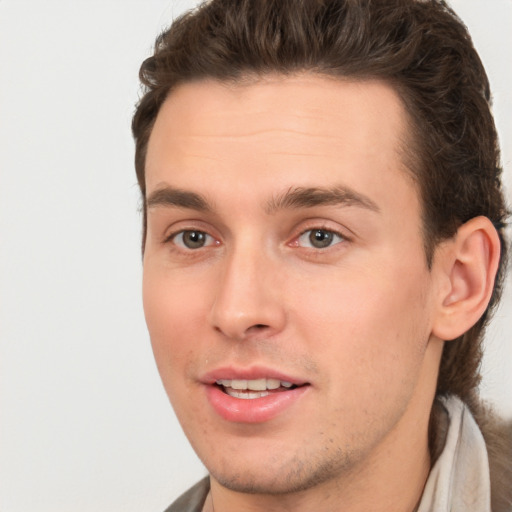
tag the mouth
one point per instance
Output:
(253, 396)
(253, 388)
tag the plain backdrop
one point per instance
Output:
(84, 422)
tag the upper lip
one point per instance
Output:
(251, 373)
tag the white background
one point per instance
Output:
(84, 422)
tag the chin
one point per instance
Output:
(278, 477)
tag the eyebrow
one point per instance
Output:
(169, 196)
(309, 197)
(293, 198)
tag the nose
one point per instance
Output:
(247, 303)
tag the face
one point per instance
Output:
(285, 285)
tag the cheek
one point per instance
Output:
(370, 345)
(370, 326)
(173, 314)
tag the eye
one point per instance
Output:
(319, 238)
(192, 239)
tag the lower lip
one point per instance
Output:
(255, 410)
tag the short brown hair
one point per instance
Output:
(420, 47)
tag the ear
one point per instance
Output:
(466, 267)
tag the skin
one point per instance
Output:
(354, 319)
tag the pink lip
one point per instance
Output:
(254, 372)
(256, 410)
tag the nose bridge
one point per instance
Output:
(246, 299)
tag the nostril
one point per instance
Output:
(257, 328)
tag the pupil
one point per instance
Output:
(193, 239)
(320, 238)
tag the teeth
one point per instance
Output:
(252, 385)
(273, 383)
(239, 384)
(257, 385)
(246, 395)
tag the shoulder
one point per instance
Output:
(193, 499)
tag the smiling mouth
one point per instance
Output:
(252, 389)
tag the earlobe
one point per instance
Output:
(469, 270)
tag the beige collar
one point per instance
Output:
(459, 479)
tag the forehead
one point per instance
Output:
(306, 129)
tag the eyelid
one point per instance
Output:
(180, 225)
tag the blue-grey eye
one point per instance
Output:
(192, 239)
(319, 238)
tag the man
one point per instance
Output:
(323, 244)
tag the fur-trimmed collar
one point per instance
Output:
(498, 438)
